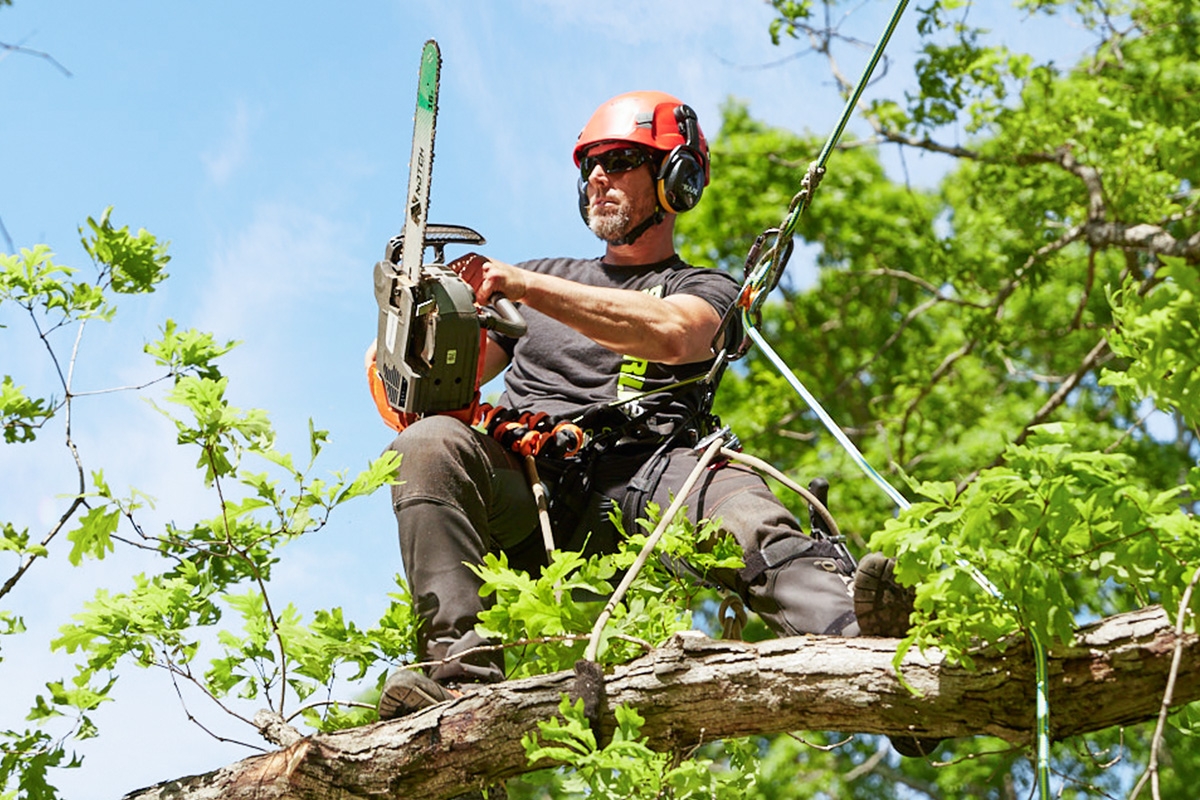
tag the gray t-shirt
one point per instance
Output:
(563, 373)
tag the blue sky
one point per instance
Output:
(267, 142)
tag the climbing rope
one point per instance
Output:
(763, 271)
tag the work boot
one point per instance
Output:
(406, 691)
(883, 608)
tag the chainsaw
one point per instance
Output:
(431, 333)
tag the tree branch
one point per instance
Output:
(1098, 232)
(1144, 237)
(695, 689)
(16, 48)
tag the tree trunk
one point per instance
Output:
(695, 689)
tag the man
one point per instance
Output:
(601, 331)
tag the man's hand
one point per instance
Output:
(505, 279)
(486, 277)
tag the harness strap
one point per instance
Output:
(776, 554)
(840, 624)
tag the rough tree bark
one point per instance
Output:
(695, 689)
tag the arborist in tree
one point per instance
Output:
(601, 331)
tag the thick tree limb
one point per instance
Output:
(696, 689)
(1142, 237)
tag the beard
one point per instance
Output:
(610, 223)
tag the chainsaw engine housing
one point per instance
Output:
(429, 337)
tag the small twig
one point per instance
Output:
(889, 272)
(1060, 395)
(175, 671)
(319, 703)
(28, 562)
(28, 51)
(1087, 289)
(131, 388)
(1090, 789)
(927, 144)
(972, 756)
(891, 340)
(1011, 369)
(1057, 399)
(828, 748)
(942, 371)
(1085, 751)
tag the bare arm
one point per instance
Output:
(677, 329)
(494, 360)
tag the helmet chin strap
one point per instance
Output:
(649, 222)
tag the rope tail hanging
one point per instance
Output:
(763, 271)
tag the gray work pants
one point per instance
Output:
(460, 494)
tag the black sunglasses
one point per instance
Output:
(621, 159)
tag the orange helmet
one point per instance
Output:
(660, 122)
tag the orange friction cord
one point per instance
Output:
(564, 429)
(529, 442)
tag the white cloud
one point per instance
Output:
(277, 283)
(231, 152)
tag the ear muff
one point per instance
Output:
(680, 181)
(682, 176)
(583, 200)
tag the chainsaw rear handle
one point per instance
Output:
(502, 317)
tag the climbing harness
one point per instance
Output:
(764, 268)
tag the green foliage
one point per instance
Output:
(1158, 332)
(223, 564)
(214, 571)
(26, 757)
(135, 261)
(1060, 532)
(792, 15)
(20, 415)
(188, 351)
(17, 542)
(559, 607)
(625, 768)
(34, 282)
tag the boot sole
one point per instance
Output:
(406, 692)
